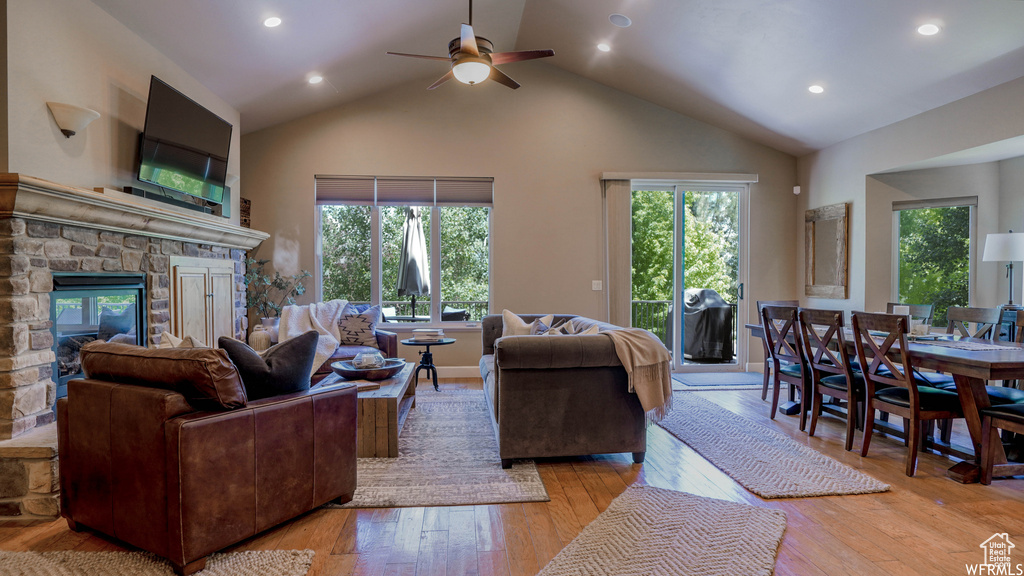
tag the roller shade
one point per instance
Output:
(401, 191)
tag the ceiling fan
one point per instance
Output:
(473, 60)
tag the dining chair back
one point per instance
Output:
(764, 343)
(986, 321)
(782, 336)
(824, 346)
(1018, 327)
(917, 311)
(889, 386)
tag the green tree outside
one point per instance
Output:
(934, 258)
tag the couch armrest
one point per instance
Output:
(543, 352)
(387, 342)
(233, 474)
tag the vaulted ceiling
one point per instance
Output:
(743, 65)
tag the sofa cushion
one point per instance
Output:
(359, 329)
(204, 376)
(113, 323)
(168, 340)
(513, 325)
(281, 369)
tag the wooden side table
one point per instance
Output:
(427, 357)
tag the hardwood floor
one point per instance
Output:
(926, 525)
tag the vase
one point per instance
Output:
(271, 326)
(259, 340)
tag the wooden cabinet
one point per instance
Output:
(202, 298)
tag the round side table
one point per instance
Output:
(427, 357)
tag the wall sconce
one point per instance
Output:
(71, 119)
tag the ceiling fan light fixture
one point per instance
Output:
(471, 70)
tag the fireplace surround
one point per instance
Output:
(48, 233)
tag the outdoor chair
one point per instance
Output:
(890, 386)
(780, 326)
(831, 375)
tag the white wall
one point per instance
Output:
(839, 173)
(73, 52)
(546, 146)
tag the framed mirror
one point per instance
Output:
(826, 251)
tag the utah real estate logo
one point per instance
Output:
(997, 558)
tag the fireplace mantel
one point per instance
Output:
(32, 198)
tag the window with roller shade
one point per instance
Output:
(361, 219)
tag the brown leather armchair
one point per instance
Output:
(139, 463)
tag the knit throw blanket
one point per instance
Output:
(320, 316)
(648, 365)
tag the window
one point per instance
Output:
(366, 223)
(933, 253)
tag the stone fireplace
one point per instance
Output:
(51, 234)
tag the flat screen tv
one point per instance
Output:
(184, 146)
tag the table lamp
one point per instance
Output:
(1005, 248)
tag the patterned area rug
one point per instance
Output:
(447, 456)
(698, 381)
(653, 531)
(766, 462)
(261, 563)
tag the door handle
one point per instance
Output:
(741, 290)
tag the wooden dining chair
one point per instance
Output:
(986, 321)
(917, 311)
(824, 346)
(782, 333)
(1010, 419)
(764, 343)
(889, 385)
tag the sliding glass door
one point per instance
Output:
(686, 271)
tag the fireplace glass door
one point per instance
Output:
(87, 308)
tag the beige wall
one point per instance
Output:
(546, 146)
(73, 52)
(840, 173)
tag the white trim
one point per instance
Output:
(674, 177)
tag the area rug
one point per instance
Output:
(653, 531)
(765, 461)
(701, 381)
(72, 563)
(447, 456)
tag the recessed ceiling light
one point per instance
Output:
(815, 89)
(272, 22)
(620, 20)
(604, 47)
(316, 79)
(928, 29)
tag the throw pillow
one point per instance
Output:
(113, 323)
(513, 325)
(168, 340)
(359, 329)
(281, 369)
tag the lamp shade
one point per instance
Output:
(1004, 247)
(70, 118)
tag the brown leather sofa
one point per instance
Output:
(559, 395)
(387, 344)
(160, 449)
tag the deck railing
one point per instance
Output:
(476, 309)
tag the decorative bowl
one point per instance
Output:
(346, 370)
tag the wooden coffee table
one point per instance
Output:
(381, 413)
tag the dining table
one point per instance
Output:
(972, 362)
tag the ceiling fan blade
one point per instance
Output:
(442, 80)
(442, 58)
(468, 41)
(502, 78)
(506, 57)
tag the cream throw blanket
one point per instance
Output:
(648, 365)
(320, 316)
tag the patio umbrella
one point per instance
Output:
(413, 268)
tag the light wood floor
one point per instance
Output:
(925, 526)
